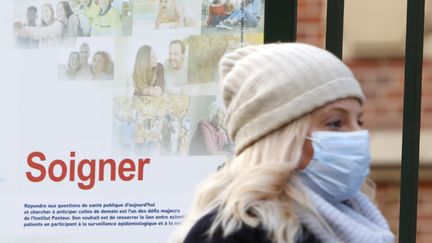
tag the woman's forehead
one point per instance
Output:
(345, 104)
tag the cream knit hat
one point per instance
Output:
(265, 87)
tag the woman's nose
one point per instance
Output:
(354, 126)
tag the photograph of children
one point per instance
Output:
(209, 135)
(226, 16)
(91, 59)
(149, 125)
(173, 16)
(54, 23)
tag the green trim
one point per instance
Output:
(411, 121)
(280, 21)
(334, 27)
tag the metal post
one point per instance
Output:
(411, 121)
(334, 26)
(280, 21)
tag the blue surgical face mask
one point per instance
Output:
(339, 165)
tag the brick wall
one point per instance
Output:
(382, 81)
(311, 22)
(388, 200)
(381, 78)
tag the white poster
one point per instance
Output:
(111, 114)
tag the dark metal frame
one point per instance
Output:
(411, 120)
(280, 21)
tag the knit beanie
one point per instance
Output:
(265, 87)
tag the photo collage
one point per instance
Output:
(161, 56)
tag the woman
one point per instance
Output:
(148, 74)
(102, 67)
(49, 33)
(73, 66)
(294, 112)
(68, 18)
(210, 138)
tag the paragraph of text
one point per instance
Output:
(100, 215)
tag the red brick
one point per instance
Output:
(424, 238)
(424, 225)
(425, 193)
(424, 211)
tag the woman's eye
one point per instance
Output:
(334, 123)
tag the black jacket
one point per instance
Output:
(246, 234)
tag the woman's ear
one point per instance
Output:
(307, 154)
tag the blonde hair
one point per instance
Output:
(258, 187)
(144, 75)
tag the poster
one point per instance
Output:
(111, 114)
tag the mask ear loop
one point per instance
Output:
(313, 140)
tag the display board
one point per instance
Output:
(111, 113)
